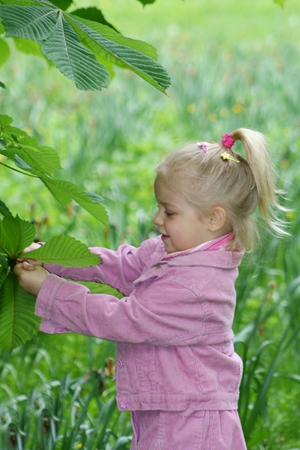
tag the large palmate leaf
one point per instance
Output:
(77, 45)
(65, 192)
(15, 235)
(17, 320)
(66, 251)
(141, 64)
(75, 61)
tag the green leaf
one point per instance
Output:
(5, 121)
(99, 288)
(75, 53)
(4, 51)
(75, 61)
(111, 35)
(2, 29)
(65, 191)
(141, 64)
(2, 85)
(4, 209)
(15, 235)
(43, 159)
(16, 132)
(28, 47)
(62, 4)
(93, 14)
(36, 23)
(19, 2)
(17, 320)
(146, 2)
(65, 251)
(3, 271)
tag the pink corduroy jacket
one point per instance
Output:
(173, 328)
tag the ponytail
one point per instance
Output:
(260, 163)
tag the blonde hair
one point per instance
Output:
(237, 184)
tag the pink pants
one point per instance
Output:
(187, 430)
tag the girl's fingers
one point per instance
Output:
(26, 266)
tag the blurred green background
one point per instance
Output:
(232, 64)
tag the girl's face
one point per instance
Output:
(180, 226)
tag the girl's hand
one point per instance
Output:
(33, 246)
(30, 276)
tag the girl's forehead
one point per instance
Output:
(163, 191)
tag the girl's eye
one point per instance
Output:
(169, 213)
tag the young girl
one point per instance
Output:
(177, 371)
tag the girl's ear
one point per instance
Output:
(217, 218)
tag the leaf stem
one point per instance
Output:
(20, 171)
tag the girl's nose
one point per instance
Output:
(157, 219)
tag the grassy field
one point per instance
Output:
(232, 64)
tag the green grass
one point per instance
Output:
(231, 65)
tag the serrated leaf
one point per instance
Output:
(14, 131)
(32, 22)
(75, 61)
(65, 191)
(41, 158)
(28, 140)
(22, 164)
(4, 209)
(18, 322)
(3, 273)
(5, 121)
(28, 47)
(141, 64)
(93, 14)
(15, 235)
(4, 50)
(94, 197)
(63, 4)
(112, 35)
(99, 288)
(65, 251)
(20, 2)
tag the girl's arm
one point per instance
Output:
(163, 314)
(117, 268)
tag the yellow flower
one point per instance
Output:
(237, 108)
(224, 112)
(213, 117)
(285, 163)
(191, 108)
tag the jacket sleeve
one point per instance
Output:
(117, 268)
(165, 313)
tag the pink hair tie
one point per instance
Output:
(227, 140)
(203, 146)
